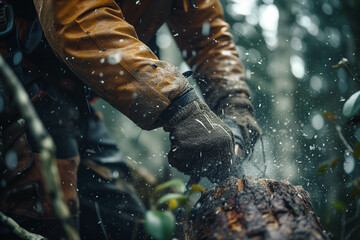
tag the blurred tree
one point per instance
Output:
(289, 48)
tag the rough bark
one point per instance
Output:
(251, 208)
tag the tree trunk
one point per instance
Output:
(251, 208)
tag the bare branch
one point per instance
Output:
(342, 138)
(343, 63)
(353, 218)
(19, 231)
(100, 220)
(46, 146)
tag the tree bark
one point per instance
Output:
(251, 208)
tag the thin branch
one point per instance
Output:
(46, 146)
(357, 213)
(343, 226)
(17, 230)
(343, 63)
(263, 155)
(342, 138)
(353, 218)
(351, 73)
(100, 220)
(348, 235)
(136, 230)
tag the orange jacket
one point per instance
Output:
(104, 43)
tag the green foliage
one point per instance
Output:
(176, 183)
(322, 168)
(339, 206)
(352, 105)
(196, 188)
(159, 224)
(355, 190)
(329, 116)
(334, 162)
(357, 151)
(350, 109)
(180, 198)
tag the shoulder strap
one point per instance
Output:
(6, 18)
(14, 59)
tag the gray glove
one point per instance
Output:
(201, 144)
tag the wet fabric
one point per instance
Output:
(201, 144)
(103, 189)
(108, 207)
(103, 43)
(23, 190)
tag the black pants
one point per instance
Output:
(109, 206)
(108, 203)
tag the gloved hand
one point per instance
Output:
(237, 112)
(201, 144)
(241, 148)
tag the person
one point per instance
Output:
(72, 50)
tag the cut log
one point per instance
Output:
(251, 208)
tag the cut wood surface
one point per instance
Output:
(252, 208)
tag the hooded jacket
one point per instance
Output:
(104, 43)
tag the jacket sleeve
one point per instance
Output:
(103, 50)
(204, 38)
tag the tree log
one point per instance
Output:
(251, 208)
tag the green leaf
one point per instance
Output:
(352, 105)
(177, 196)
(334, 162)
(177, 183)
(355, 190)
(329, 116)
(357, 151)
(322, 168)
(356, 182)
(196, 188)
(338, 205)
(160, 225)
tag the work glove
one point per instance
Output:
(237, 112)
(202, 145)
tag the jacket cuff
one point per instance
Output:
(178, 103)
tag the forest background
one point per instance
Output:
(289, 49)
